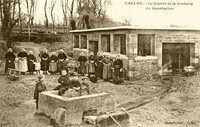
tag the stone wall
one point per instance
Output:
(143, 67)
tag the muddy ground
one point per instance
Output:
(173, 103)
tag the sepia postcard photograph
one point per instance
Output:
(99, 63)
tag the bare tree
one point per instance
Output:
(20, 15)
(46, 17)
(64, 4)
(34, 5)
(51, 8)
(127, 22)
(29, 18)
(8, 19)
(71, 9)
(100, 7)
(83, 8)
(95, 9)
(30, 6)
(68, 12)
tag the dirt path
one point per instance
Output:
(143, 100)
(179, 108)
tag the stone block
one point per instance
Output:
(73, 118)
(57, 118)
(105, 120)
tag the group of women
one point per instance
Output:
(101, 66)
(21, 61)
(27, 62)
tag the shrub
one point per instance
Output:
(37, 38)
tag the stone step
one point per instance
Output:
(106, 119)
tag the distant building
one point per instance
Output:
(145, 48)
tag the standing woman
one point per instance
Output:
(91, 65)
(44, 61)
(10, 60)
(53, 63)
(107, 68)
(82, 60)
(61, 58)
(99, 65)
(31, 61)
(22, 63)
(118, 65)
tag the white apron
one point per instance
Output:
(22, 64)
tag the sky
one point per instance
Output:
(183, 15)
(119, 10)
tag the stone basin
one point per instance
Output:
(75, 106)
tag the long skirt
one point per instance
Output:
(91, 68)
(82, 68)
(52, 66)
(44, 65)
(107, 71)
(99, 70)
(31, 66)
(9, 64)
(116, 73)
(60, 66)
(37, 66)
(22, 65)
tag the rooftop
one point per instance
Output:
(135, 28)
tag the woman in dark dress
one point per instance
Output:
(99, 65)
(107, 67)
(53, 63)
(91, 64)
(82, 60)
(61, 58)
(22, 62)
(10, 60)
(44, 61)
(31, 60)
(118, 65)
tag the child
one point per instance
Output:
(85, 85)
(64, 83)
(39, 87)
(80, 84)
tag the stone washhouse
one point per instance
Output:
(143, 49)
